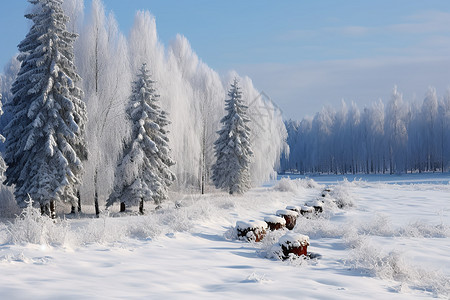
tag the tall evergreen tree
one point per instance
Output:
(143, 173)
(233, 149)
(45, 138)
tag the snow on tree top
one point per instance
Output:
(252, 224)
(294, 240)
(275, 220)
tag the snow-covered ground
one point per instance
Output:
(391, 241)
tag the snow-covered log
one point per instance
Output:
(251, 230)
(290, 216)
(296, 244)
(275, 223)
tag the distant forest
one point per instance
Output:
(399, 137)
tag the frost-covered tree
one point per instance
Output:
(45, 138)
(193, 94)
(396, 130)
(207, 101)
(268, 138)
(176, 96)
(353, 123)
(2, 139)
(233, 152)
(6, 80)
(398, 137)
(430, 127)
(102, 58)
(143, 173)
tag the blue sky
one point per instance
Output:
(304, 54)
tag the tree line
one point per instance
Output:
(398, 137)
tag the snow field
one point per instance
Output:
(392, 243)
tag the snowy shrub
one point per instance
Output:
(32, 227)
(146, 228)
(310, 183)
(103, 230)
(172, 219)
(392, 266)
(379, 225)
(284, 185)
(316, 227)
(422, 229)
(182, 219)
(294, 185)
(341, 195)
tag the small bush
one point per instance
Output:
(295, 185)
(341, 195)
(32, 227)
(392, 266)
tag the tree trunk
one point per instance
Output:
(97, 209)
(53, 209)
(79, 201)
(203, 161)
(122, 206)
(141, 206)
(49, 209)
(74, 209)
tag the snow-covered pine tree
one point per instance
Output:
(2, 139)
(143, 172)
(233, 149)
(45, 138)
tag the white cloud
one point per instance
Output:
(347, 31)
(430, 22)
(424, 23)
